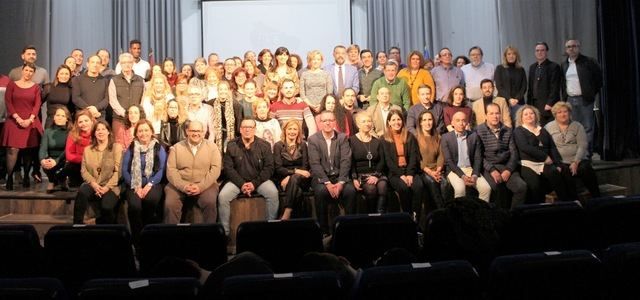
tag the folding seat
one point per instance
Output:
(39, 288)
(545, 227)
(76, 253)
(613, 220)
(456, 279)
(281, 243)
(21, 254)
(304, 285)
(621, 270)
(571, 274)
(205, 244)
(178, 288)
(364, 238)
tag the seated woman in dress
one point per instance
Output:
(100, 171)
(457, 101)
(291, 167)
(267, 128)
(157, 95)
(571, 140)
(539, 157)
(58, 93)
(22, 129)
(227, 115)
(172, 127)
(143, 167)
(344, 119)
(432, 162)
(402, 159)
(52, 158)
(78, 139)
(131, 117)
(367, 165)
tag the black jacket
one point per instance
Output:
(590, 76)
(449, 146)
(253, 165)
(411, 153)
(338, 165)
(547, 88)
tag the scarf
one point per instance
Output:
(136, 176)
(217, 122)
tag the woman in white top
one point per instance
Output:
(267, 128)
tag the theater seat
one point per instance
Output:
(455, 279)
(281, 243)
(546, 275)
(204, 243)
(364, 238)
(621, 270)
(545, 227)
(76, 253)
(140, 289)
(305, 285)
(613, 220)
(32, 289)
(21, 254)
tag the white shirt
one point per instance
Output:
(573, 82)
(140, 68)
(336, 76)
(194, 148)
(205, 116)
(474, 75)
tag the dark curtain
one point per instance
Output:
(24, 22)
(156, 23)
(618, 35)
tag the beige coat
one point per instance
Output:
(376, 116)
(184, 168)
(105, 172)
(481, 117)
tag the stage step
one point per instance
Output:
(605, 190)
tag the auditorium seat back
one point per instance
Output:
(364, 238)
(205, 244)
(281, 243)
(613, 220)
(440, 280)
(76, 253)
(545, 227)
(37, 288)
(21, 254)
(140, 289)
(325, 285)
(621, 270)
(571, 274)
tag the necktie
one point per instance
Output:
(340, 80)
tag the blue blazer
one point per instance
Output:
(351, 79)
(449, 145)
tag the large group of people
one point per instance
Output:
(157, 137)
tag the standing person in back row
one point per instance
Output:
(475, 72)
(544, 83)
(582, 81)
(141, 67)
(344, 75)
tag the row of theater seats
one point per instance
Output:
(576, 274)
(75, 254)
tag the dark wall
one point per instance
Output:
(24, 22)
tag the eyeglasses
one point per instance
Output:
(572, 46)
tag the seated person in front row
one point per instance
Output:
(500, 157)
(248, 163)
(193, 168)
(330, 161)
(100, 171)
(463, 158)
(571, 140)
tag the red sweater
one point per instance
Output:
(74, 150)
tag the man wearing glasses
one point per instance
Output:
(544, 83)
(330, 162)
(446, 75)
(581, 82)
(193, 168)
(248, 164)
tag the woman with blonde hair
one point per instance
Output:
(315, 82)
(172, 126)
(292, 167)
(511, 79)
(541, 162)
(155, 98)
(367, 159)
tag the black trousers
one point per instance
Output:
(72, 171)
(411, 197)
(104, 206)
(434, 192)
(294, 192)
(143, 211)
(587, 174)
(54, 174)
(550, 179)
(323, 198)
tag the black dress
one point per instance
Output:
(368, 160)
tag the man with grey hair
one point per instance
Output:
(581, 82)
(193, 168)
(475, 72)
(125, 89)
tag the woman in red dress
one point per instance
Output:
(22, 129)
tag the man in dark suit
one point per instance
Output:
(330, 161)
(344, 75)
(544, 83)
(463, 158)
(500, 159)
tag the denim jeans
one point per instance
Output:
(582, 112)
(230, 192)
